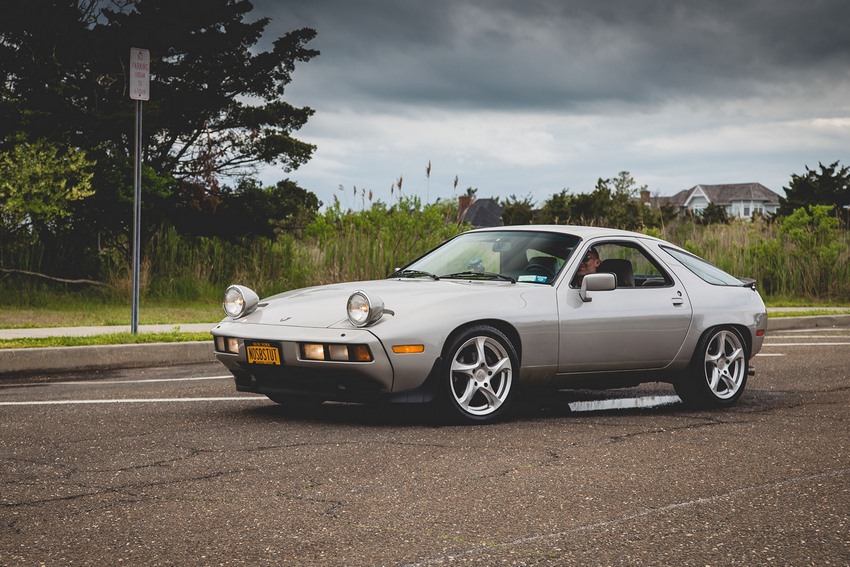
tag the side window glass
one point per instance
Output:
(631, 266)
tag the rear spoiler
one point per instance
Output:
(748, 282)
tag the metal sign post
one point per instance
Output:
(140, 66)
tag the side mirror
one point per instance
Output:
(596, 282)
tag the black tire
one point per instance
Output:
(295, 401)
(718, 371)
(479, 375)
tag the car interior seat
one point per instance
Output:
(622, 270)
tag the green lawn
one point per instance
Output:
(807, 312)
(73, 312)
(106, 339)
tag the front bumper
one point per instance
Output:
(387, 375)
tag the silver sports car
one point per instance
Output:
(493, 311)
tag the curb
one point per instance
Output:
(103, 357)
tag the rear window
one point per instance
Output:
(702, 269)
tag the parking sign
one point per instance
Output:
(140, 69)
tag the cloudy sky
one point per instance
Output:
(529, 97)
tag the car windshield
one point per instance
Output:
(522, 256)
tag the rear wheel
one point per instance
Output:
(718, 372)
(480, 368)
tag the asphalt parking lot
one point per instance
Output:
(170, 466)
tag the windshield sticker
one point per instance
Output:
(533, 279)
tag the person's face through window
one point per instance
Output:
(589, 263)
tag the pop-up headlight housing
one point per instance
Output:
(363, 310)
(239, 301)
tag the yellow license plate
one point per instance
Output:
(263, 354)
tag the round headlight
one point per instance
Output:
(364, 310)
(239, 301)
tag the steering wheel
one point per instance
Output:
(538, 270)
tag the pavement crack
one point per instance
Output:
(708, 422)
(127, 490)
(485, 547)
(333, 506)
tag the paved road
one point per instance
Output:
(170, 466)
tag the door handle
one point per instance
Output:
(678, 301)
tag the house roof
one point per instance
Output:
(729, 193)
(678, 199)
(483, 213)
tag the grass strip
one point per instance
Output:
(105, 339)
(806, 313)
(75, 312)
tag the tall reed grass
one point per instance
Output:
(181, 268)
(803, 258)
(372, 243)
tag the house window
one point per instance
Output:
(746, 211)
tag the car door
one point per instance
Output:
(635, 327)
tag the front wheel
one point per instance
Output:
(479, 371)
(718, 372)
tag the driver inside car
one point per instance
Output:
(588, 265)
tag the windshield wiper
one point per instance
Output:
(480, 275)
(413, 274)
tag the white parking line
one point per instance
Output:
(775, 337)
(143, 381)
(136, 401)
(624, 403)
(806, 344)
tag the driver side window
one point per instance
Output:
(630, 264)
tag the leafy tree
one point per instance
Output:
(556, 209)
(216, 105)
(516, 211)
(829, 186)
(249, 210)
(614, 203)
(713, 214)
(664, 215)
(38, 183)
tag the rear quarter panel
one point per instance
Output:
(720, 305)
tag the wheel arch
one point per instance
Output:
(506, 328)
(748, 338)
(742, 331)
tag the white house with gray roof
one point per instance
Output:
(740, 200)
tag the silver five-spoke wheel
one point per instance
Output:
(718, 372)
(480, 374)
(725, 364)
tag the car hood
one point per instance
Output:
(325, 306)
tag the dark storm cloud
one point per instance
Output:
(554, 54)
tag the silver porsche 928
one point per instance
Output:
(495, 310)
